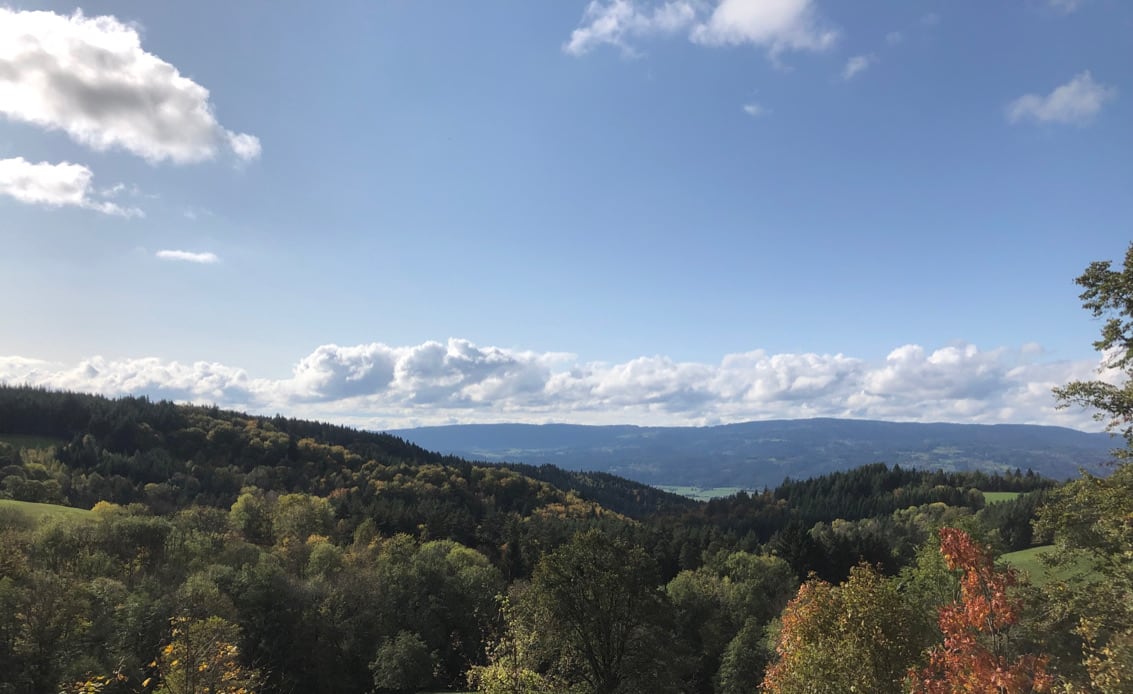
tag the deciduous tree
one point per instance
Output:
(605, 614)
(976, 655)
(202, 658)
(859, 636)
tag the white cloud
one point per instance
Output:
(857, 65)
(57, 185)
(91, 78)
(894, 37)
(246, 147)
(614, 23)
(188, 256)
(200, 381)
(755, 110)
(381, 386)
(1076, 102)
(777, 25)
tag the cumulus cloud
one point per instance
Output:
(57, 185)
(198, 382)
(90, 78)
(189, 257)
(777, 25)
(382, 386)
(857, 65)
(1076, 103)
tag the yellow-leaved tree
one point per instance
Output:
(202, 658)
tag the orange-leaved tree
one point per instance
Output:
(975, 655)
(860, 636)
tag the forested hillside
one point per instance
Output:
(287, 555)
(753, 455)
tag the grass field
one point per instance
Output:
(700, 493)
(37, 512)
(993, 497)
(24, 441)
(1029, 561)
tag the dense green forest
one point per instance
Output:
(213, 551)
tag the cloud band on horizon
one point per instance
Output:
(378, 386)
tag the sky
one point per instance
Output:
(390, 214)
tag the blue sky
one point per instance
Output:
(670, 212)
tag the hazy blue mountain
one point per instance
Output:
(758, 454)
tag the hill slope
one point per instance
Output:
(76, 449)
(758, 454)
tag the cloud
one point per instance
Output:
(57, 185)
(199, 382)
(755, 110)
(1075, 103)
(614, 23)
(777, 25)
(188, 256)
(246, 147)
(857, 65)
(90, 78)
(381, 386)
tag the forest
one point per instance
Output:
(157, 547)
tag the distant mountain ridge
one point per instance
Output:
(758, 454)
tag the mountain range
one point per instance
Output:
(753, 455)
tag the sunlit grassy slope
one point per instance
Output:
(1029, 561)
(37, 512)
(993, 497)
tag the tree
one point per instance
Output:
(1091, 519)
(202, 658)
(1108, 294)
(859, 636)
(737, 591)
(744, 660)
(403, 664)
(604, 614)
(251, 515)
(514, 659)
(975, 656)
(1087, 615)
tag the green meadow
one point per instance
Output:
(1029, 561)
(701, 493)
(995, 497)
(38, 512)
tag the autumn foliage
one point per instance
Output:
(974, 656)
(859, 636)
